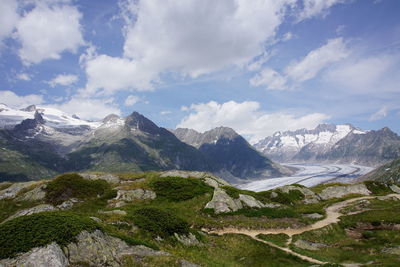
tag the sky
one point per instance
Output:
(257, 66)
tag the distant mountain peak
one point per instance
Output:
(137, 121)
(111, 118)
(30, 108)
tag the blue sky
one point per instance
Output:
(256, 66)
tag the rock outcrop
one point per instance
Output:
(13, 190)
(50, 255)
(36, 209)
(341, 191)
(222, 202)
(135, 194)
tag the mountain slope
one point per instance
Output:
(389, 172)
(231, 153)
(332, 143)
(132, 144)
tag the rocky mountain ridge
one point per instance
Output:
(46, 141)
(332, 143)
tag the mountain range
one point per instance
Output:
(334, 144)
(38, 142)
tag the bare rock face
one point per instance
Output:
(187, 240)
(222, 202)
(112, 179)
(250, 201)
(99, 249)
(14, 189)
(35, 194)
(50, 255)
(341, 191)
(36, 209)
(135, 194)
(395, 188)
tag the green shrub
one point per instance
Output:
(278, 239)
(234, 192)
(26, 232)
(72, 185)
(378, 188)
(159, 222)
(284, 198)
(179, 189)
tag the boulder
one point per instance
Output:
(395, 188)
(250, 201)
(99, 249)
(392, 250)
(313, 215)
(185, 263)
(36, 209)
(222, 202)
(35, 194)
(50, 255)
(135, 194)
(187, 240)
(68, 204)
(304, 244)
(341, 191)
(13, 190)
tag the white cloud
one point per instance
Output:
(374, 74)
(246, 118)
(131, 100)
(24, 76)
(47, 31)
(270, 78)
(13, 100)
(313, 8)
(380, 114)
(89, 108)
(107, 75)
(287, 36)
(8, 17)
(63, 79)
(333, 51)
(190, 38)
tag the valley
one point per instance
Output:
(311, 175)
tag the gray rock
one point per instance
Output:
(274, 194)
(99, 249)
(341, 191)
(211, 182)
(250, 201)
(309, 196)
(392, 250)
(50, 255)
(68, 204)
(36, 209)
(187, 240)
(135, 194)
(313, 215)
(13, 190)
(395, 188)
(96, 219)
(35, 194)
(185, 263)
(222, 202)
(304, 244)
(112, 179)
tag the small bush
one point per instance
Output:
(284, 198)
(378, 188)
(179, 189)
(72, 185)
(234, 192)
(26, 232)
(159, 222)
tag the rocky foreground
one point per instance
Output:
(171, 219)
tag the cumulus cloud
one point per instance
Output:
(13, 100)
(313, 8)
(89, 108)
(63, 79)
(47, 31)
(24, 76)
(333, 51)
(270, 78)
(8, 17)
(246, 118)
(380, 114)
(107, 75)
